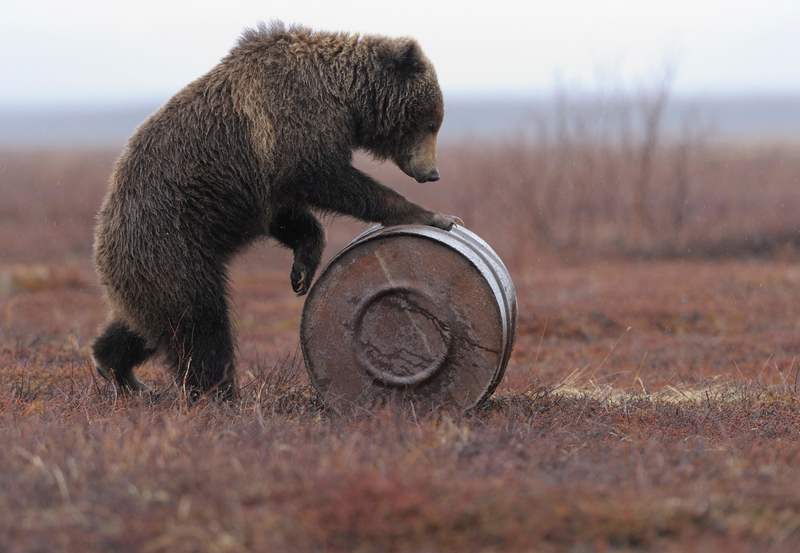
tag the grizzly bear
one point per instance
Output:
(252, 149)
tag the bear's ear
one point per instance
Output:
(404, 56)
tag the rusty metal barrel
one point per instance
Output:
(413, 312)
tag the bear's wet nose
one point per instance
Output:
(433, 175)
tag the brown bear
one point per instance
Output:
(251, 150)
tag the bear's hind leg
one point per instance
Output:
(116, 352)
(202, 352)
(305, 235)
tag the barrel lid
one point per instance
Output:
(410, 311)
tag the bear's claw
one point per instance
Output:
(104, 373)
(446, 222)
(299, 281)
(456, 220)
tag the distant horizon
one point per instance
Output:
(452, 95)
(481, 116)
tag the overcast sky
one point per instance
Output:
(83, 51)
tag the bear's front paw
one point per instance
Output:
(300, 279)
(446, 222)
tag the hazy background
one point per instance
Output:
(85, 73)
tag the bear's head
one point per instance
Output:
(412, 110)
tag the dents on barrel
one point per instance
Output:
(464, 338)
(410, 306)
(402, 362)
(399, 338)
(384, 267)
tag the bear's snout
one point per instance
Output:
(430, 176)
(423, 170)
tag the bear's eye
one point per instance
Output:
(432, 127)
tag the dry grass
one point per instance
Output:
(533, 469)
(649, 405)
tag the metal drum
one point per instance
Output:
(410, 311)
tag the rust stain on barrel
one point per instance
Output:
(416, 311)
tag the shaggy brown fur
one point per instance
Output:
(247, 151)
